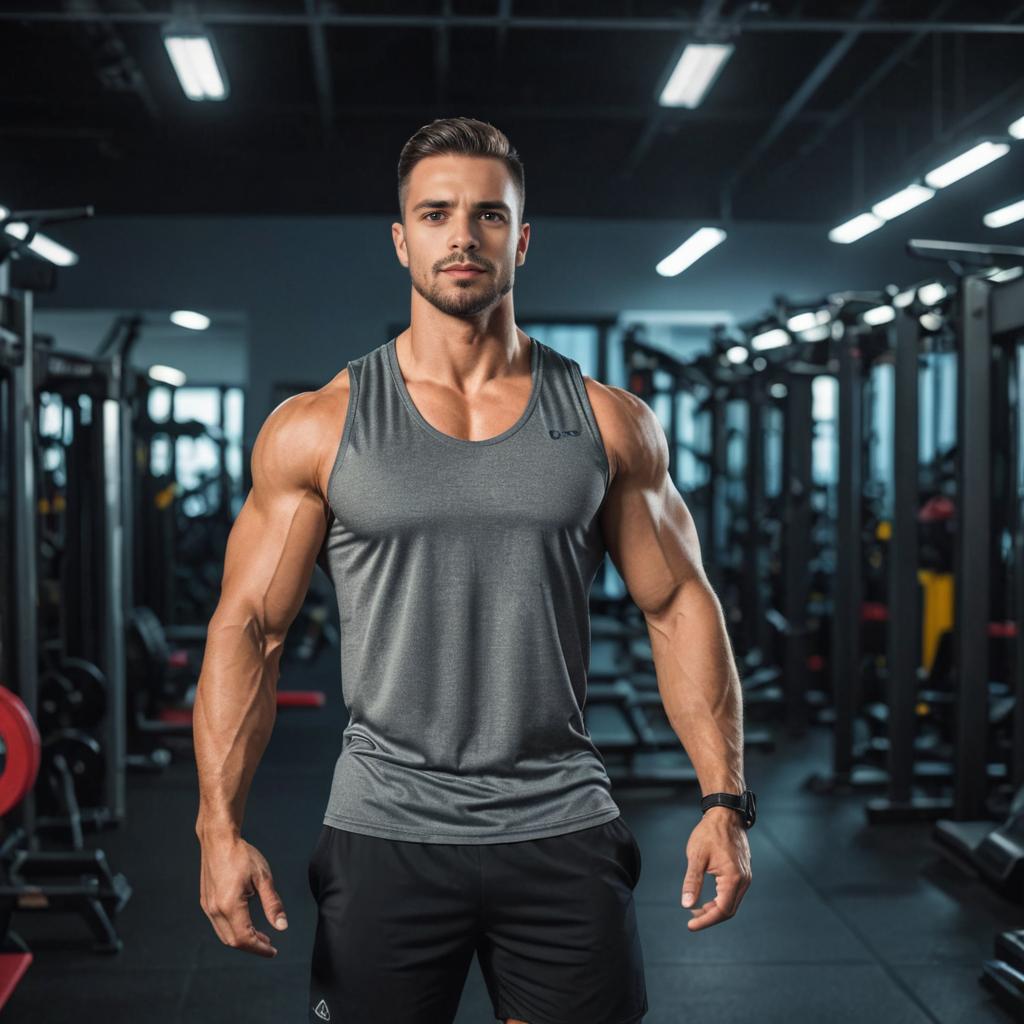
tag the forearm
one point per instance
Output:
(700, 687)
(235, 709)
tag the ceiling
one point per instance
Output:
(825, 106)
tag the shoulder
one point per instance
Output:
(298, 440)
(634, 438)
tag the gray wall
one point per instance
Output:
(317, 292)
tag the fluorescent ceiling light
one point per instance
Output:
(856, 228)
(167, 375)
(1005, 215)
(1017, 128)
(930, 321)
(195, 63)
(700, 242)
(192, 320)
(879, 315)
(806, 321)
(42, 245)
(770, 339)
(966, 163)
(904, 298)
(694, 74)
(929, 294)
(737, 354)
(900, 202)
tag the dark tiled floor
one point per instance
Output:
(844, 922)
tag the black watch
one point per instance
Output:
(745, 803)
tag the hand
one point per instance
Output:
(232, 873)
(717, 846)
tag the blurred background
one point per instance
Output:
(794, 228)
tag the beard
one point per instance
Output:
(465, 297)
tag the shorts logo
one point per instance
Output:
(321, 1011)
(556, 434)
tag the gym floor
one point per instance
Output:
(843, 922)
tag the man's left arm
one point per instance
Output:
(653, 544)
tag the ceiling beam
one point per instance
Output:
(837, 26)
(793, 106)
(321, 73)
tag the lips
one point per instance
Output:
(463, 270)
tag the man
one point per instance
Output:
(462, 483)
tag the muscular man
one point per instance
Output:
(462, 483)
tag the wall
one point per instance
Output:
(319, 291)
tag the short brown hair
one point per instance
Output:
(464, 135)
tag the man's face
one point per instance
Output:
(461, 210)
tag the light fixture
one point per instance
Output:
(41, 245)
(695, 72)
(774, 338)
(900, 202)
(860, 226)
(930, 321)
(929, 294)
(190, 319)
(966, 163)
(737, 354)
(807, 321)
(698, 244)
(778, 390)
(167, 375)
(904, 298)
(196, 62)
(1005, 215)
(1017, 128)
(879, 315)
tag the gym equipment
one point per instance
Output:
(20, 739)
(995, 855)
(74, 693)
(1004, 975)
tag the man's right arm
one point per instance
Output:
(269, 559)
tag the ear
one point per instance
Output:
(398, 237)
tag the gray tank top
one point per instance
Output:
(463, 571)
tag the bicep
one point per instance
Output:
(648, 530)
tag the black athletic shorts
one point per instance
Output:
(551, 920)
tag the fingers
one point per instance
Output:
(694, 879)
(271, 901)
(245, 936)
(728, 894)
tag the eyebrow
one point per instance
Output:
(444, 204)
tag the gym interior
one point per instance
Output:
(793, 228)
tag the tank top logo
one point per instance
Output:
(556, 434)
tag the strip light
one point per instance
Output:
(196, 64)
(856, 228)
(1005, 215)
(190, 319)
(966, 163)
(1017, 128)
(696, 71)
(900, 202)
(698, 244)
